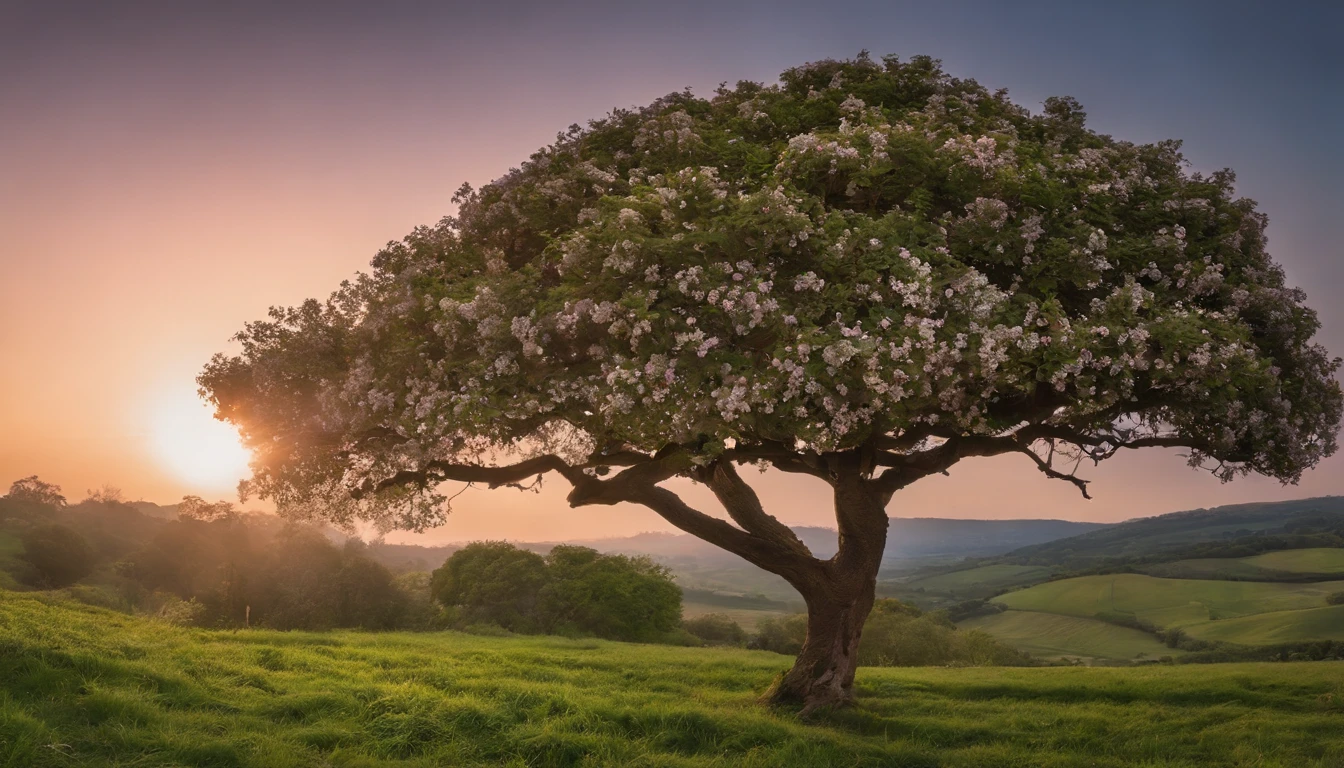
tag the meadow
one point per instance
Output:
(81, 686)
(1167, 602)
(1316, 563)
(1052, 636)
(986, 579)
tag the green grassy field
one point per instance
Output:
(81, 686)
(1167, 602)
(1276, 628)
(1051, 636)
(1212, 568)
(1317, 560)
(1270, 566)
(986, 579)
(747, 618)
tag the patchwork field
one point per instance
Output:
(1275, 628)
(86, 687)
(1167, 602)
(986, 579)
(1052, 636)
(748, 618)
(1271, 566)
(1317, 560)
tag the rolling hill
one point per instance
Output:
(81, 686)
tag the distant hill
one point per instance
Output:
(909, 537)
(1151, 536)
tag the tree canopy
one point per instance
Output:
(867, 254)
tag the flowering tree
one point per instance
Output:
(864, 273)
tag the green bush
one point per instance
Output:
(492, 582)
(572, 591)
(716, 629)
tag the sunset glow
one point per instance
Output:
(202, 452)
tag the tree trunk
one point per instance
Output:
(823, 674)
(839, 598)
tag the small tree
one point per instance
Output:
(196, 508)
(492, 581)
(864, 273)
(611, 596)
(34, 491)
(58, 553)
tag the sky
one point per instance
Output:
(168, 171)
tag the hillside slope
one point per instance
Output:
(1145, 537)
(85, 687)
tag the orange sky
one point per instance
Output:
(165, 179)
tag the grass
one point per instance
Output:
(1051, 636)
(1271, 566)
(81, 686)
(1213, 568)
(985, 579)
(1167, 602)
(747, 618)
(1317, 560)
(1278, 628)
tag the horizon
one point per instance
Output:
(174, 173)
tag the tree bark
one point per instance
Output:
(838, 599)
(823, 674)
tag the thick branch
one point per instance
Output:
(436, 472)
(760, 552)
(744, 506)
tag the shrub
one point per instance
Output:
(572, 591)
(716, 629)
(1335, 598)
(492, 582)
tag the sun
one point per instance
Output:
(192, 444)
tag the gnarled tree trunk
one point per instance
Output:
(838, 599)
(823, 674)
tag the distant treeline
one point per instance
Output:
(208, 565)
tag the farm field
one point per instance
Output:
(1052, 636)
(1167, 602)
(1326, 623)
(1316, 560)
(1270, 566)
(985, 579)
(748, 618)
(81, 686)
(1215, 568)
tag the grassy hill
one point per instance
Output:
(1314, 564)
(1145, 537)
(983, 581)
(1315, 560)
(1167, 602)
(85, 687)
(1051, 636)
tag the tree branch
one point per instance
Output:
(744, 506)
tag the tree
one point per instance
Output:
(58, 553)
(196, 508)
(492, 581)
(611, 596)
(864, 273)
(34, 491)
